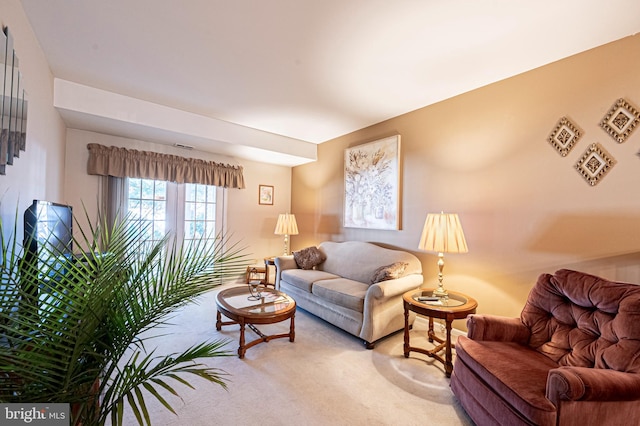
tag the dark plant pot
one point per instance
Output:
(92, 406)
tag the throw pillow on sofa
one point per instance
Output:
(309, 258)
(389, 272)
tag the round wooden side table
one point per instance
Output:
(455, 306)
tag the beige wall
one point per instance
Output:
(484, 155)
(39, 172)
(53, 167)
(250, 223)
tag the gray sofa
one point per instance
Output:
(339, 290)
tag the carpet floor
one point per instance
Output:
(325, 377)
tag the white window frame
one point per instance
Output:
(175, 209)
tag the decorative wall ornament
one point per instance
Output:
(620, 120)
(13, 103)
(564, 136)
(594, 164)
(372, 185)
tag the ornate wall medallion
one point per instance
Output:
(594, 164)
(564, 136)
(620, 120)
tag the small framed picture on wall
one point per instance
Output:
(265, 195)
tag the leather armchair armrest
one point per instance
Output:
(591, 384)
(497, 328)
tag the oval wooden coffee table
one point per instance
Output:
(242, 308)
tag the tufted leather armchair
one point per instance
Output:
(572, 358)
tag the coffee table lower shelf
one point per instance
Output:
(242, 348)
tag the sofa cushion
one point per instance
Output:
(342, 292)
(389, 272)
(309, 257)
(304, 279)
(522, 383)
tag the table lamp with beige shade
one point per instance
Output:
(286, 226)
(442, 233)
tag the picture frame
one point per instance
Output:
(621, 119)
(372, 185)
(594, 164)
(564, 136)
(265, 195)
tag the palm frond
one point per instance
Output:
(147, 372)
(86, 326)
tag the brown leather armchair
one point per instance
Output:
(572, 358)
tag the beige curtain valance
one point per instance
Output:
(122, 162)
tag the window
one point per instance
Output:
(188, 211)
(199, 212)
(147, 203)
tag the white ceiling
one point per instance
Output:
(304, 71)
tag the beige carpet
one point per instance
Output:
(326, 377)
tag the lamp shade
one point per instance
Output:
(286, 225)
(442, 233)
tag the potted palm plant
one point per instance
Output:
(76, 336)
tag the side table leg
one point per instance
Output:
(218, 321)
(241, 348)
(266, 273)
(430, 332)
(448, 365)
(406, 330)
(292, 329)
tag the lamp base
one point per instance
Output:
(440, 292)
(286, 244)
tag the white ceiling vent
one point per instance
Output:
(179, 145)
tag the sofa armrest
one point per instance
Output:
(282, 263)
(391, 288)
(591, 384)
(497, 328)
(285, 262)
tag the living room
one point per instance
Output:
(483, 154)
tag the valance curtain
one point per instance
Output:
(122, 162)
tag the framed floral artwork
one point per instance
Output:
(265, 195)
(372, 185)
